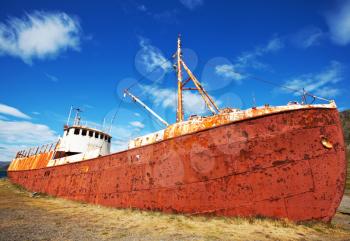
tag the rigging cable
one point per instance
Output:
(148, 74)
(115, 114)
(302, 92)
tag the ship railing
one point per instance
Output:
(37, 150)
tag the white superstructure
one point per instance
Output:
(80, 142)
(81, 139)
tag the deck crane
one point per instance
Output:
(135, 99)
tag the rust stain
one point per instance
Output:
(31, 162)
(84, 168)
(226, 116)
(273, 166)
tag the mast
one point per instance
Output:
(179, 111)
(198, 86)
(134, 98)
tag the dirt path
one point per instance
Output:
(44, 218)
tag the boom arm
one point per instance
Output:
(134, 98)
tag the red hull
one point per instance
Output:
(273, 166)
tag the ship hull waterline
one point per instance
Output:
(275, 166)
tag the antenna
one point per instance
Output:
(70, 112)
(254, 100)
(77, 117)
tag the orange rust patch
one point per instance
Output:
(32, 162)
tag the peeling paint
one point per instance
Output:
(272, 165)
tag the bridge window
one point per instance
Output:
(83, 132)
(106, 138)
(109, 139)
(76, 131)
(101, 136)
(91, 133)
(96, 134)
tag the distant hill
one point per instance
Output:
(3, 168)
(345, 119)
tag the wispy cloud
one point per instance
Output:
(39, 35)
(11, 111)
(150, 61)
(137, 124)
(168, 16)
(248, 60)
(228, 71)
(191, 4)
(321, 84)
(339, 23)
(251, 58)
(152, 57)
(51, 77)
(166, 98)
(307, 37)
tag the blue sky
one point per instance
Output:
(57, 54)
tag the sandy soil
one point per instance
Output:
(27, 217)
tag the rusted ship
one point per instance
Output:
(275, 161)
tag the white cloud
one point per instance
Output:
(137, 124)
(167, 98)
(339, 23)
(39, 35)
(308, 37)
(11, 111)
(25, 132)
(17, 135)
(121, 137)
(152, 58)
(228, 71)
(191, 4)
(321, 84)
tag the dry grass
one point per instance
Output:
(45, 218)
(347, 187)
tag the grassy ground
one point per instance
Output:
(347, 188)
(44, 218)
